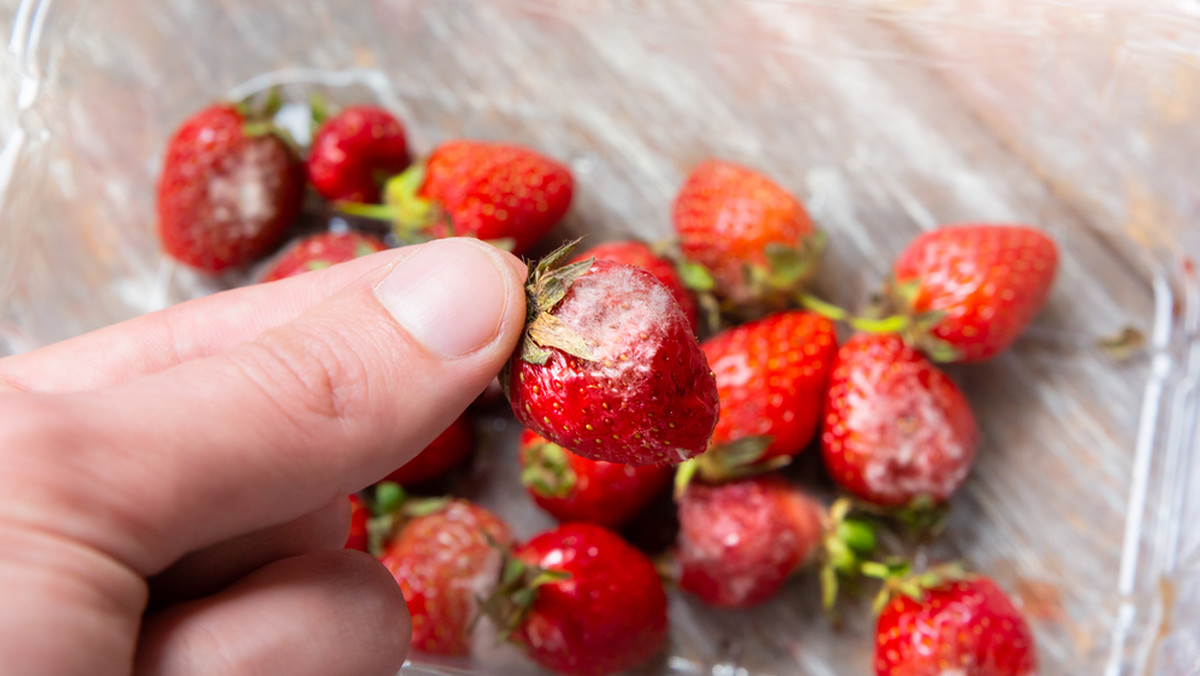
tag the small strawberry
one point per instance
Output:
(445, 562)
(609, 367)
(632, 252)
(502, 193)
(360, 515)
(229, 189)
(353, 152)
(442, 454)
(755, 240)
(897, 430)
(963, 624)
(321, 251)
(573, 488)
(771, 376)
(582, 602)
(967, 291)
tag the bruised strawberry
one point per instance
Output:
(229, 189)
(444, 563)
(354, 152)
(897, 430)
(632, 252)
(360, 515)
(969, 290)
(321, 251)
(608, 366)
(573, 488)
(442, 454)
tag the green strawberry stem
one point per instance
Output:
(515, 592)
(547, 472)
(319, 110)
(391, 507)
(847, 541)
(898, 578)
(727, 462)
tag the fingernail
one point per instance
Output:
(449, 295)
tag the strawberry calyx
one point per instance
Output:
(545, 287)
(391, 507)
(258, 112)
(789, 268)
(728, 461)
(899, 579)
(547, 470)
(515, 593)
(923, 516)
(412, 216)
(847, 541)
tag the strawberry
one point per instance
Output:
(360, 515)
(442, 454)
(502, 193)
(573, 488)
(229, 189)
(444, 562)
(962, 625)
(353, 152)
(740, 541)
(756, 242)
(969, 290)
(608, 365)
(632, 252)
(321, 251)
(897, 430)
(771, 378)
(582, 602)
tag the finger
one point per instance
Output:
(334, 612)
(271, 429)
(215, 567)
(196, 328)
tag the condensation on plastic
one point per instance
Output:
(888, 118)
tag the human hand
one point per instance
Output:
(173, 488)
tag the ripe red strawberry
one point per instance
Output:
(359, 516)
(609, 367)
(354, 152)
(442, 454)
(227, 193)
(444, 563)
(970, 290)
(632, 252)
(321, 251)
(756, 240)
(740, 541)
(573, 488)
(897, 429)
(585, 602)
(771, 375)
(960, 626)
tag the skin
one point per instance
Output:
(175, 486)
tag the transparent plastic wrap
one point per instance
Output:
(887, 118)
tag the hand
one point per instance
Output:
(173, 488)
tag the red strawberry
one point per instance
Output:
(359, 516)
(353, 152)
(969, 290)
(609, 367)
(897, 429)
(321, 251)
(584, 602)
(445, 452)
(632, 252)
(572, 488)
(961, 626)
(444, 563)
(740, 541)
(754, 238)
(227, 193)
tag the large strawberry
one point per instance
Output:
(229, 189)
(354, 152)
(962, 624)
(321, 251)
(608, 365)
(633, 252)
(442, 454)
(445, 562)
(771, 376)
(897, 430)
(967, 291)
(755, 240)
(573, 488)
(582, 602)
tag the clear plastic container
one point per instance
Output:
(888, 118)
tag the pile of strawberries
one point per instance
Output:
(623, 402)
